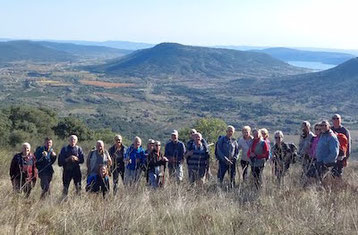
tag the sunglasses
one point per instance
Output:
(317, 129)
(277, 137)
(335, 118)
(157, 145)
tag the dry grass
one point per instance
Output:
(105, 84)
(186, 210)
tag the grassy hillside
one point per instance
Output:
(175, 60)
(186, 209)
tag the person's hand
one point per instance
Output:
(228, 162)
(74, 158)
(44, 153)
(53, 154)
(165, 159)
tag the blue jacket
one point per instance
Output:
(227, 148)
(134, 154)
(175, 151)
(327, 148)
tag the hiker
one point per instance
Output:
(312, 171)
(265, 136)
(174, 151)
(45, 157)
(70, 158)
(135, 161)
(192, 138)
(117, 152)
(98, 162)
(150, 147)
(345, 151)
(281, 156)
(304, 146)
(23, 172)
(156, 166)
(227, 151)
(258, 154)
(197, 157)
(327, 149)
(244, 144)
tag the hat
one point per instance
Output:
(193, 131)
(175, 132)
(151, 141)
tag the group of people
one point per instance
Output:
(327, 149)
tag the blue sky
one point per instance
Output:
(301, 23)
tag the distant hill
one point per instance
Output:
(288, 54)
(171, 59)
(86, 51)
(31, 51)
(335, 88)
(125, 45)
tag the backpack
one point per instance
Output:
(216, 148)
(343, 144)
(293, 150)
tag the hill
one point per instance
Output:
(176, 60)
(86, 51)
(288, 54)
(30, 51)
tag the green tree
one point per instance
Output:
(73, 126)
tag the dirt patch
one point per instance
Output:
(105, 84)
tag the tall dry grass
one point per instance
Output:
(186, 209)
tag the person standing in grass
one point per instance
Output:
(281, 156)
(327, 149)
(98, 162)
(23, 172)
(304, 146)
(174, 151)
(258, 154)
(70, 158)
(117, 152)
(135, 160)
(343, 153)
(244, 144)
(227, 153)
(156, 166)
(45, 157)
(197, 156)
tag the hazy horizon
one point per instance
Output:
(273, 23)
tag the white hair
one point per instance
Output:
(26, 145)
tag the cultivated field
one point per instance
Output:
(186, 209)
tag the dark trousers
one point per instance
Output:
(45, 181)
(257, 174)
(67, 176)
(119, 171)
(21, 185)
(338, 168)
(245, 167)
(223, 168)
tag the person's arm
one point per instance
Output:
(61, 157)
(349, 144)
(221, 155)
(236, 153)
(13, 168)
(81, 157)
(333, 148)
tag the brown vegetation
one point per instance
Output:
(105, 84)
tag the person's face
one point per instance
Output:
(336, 121)
(304, 128)
(278, 139)
(324, 127)
(197, 139)
(263, 134)
(151, 146)
(192, 135)
(48, 144)
(255, 134)
(157, 147)
(245, 133)
(100, 147)
(229, 133)
(317, 129)
(118, 142)
(137, 144)
(174, 138)
(73, 141)
(25, 150)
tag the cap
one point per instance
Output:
(175, 132)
